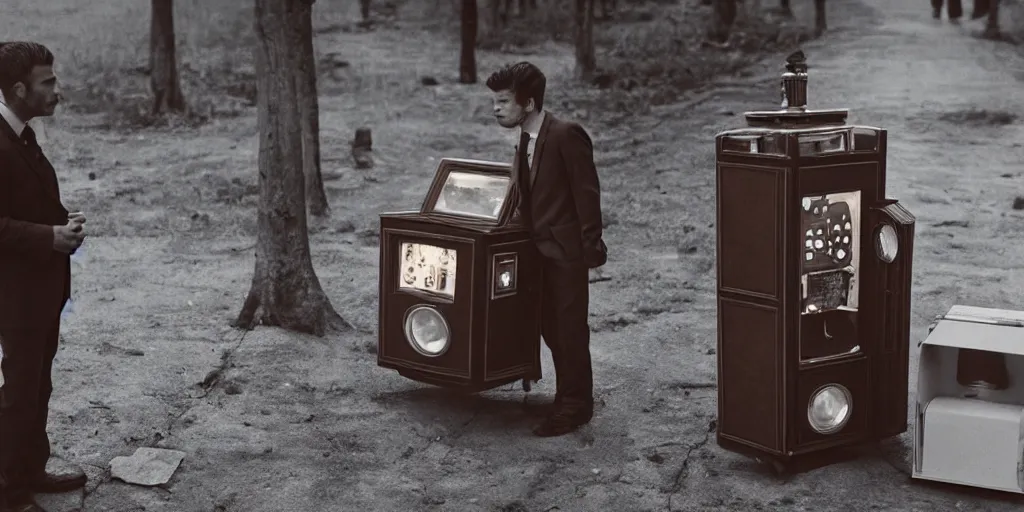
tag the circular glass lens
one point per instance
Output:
(426, 330)
(829, 409)
(887, 243)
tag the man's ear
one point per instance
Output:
(18, 90)
(530, 105)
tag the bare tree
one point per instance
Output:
(285, 290)
(722, 18)
(992, 24)
(608, 8)
(309, 107)
(527, 5)
(467, 59)
(819, 17)
(586, 60)
(163, 65)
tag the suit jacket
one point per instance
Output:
(565, 194)
(35, 280)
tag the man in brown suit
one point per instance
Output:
(560, 201)
(37, 235)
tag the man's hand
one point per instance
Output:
(78, 218)
(68, 238)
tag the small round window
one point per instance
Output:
(887, 244)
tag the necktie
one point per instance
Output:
(29, 137)
(523, 178)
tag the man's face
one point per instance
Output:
(509, 113)
(38, 95)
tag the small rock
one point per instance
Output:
(433, 500)
(232, 388)
(1018, 203)
(515, 506)
(428, 81)
(595, 471)
(225, 502)
(344, 226)
(656, 458)
(92, 176)
(331, 175)
(711, 352)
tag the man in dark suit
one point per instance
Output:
(37, 235)
(560, 201)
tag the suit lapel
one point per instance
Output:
(538, 147)
(41, 168)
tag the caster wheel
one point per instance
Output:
(527, 385)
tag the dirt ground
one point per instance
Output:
(312, 424)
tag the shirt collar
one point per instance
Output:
(12, 119)
(540, 122)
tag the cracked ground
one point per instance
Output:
(273, 421)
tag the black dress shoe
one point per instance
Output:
(22, 502)
(562, 422)
(52, 483)
(27, 507)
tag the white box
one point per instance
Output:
(971, 441)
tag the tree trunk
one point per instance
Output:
(992, 24)
(586, 61)
(819, 17)
(309, 107)
(467, 60)
(285, 290)
(364, 9)
(163, 66)
(608, 8)
(723, 16)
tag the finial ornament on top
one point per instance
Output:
(794, 82)
(796, 62)
(795, 111)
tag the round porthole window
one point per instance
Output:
(427, 331)
(829, 409)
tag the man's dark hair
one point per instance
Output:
(18, 59)
(524, 79)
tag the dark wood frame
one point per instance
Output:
(767, 298)
(445, 168)
(426, 294)
(495, 294)
(494, 319)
